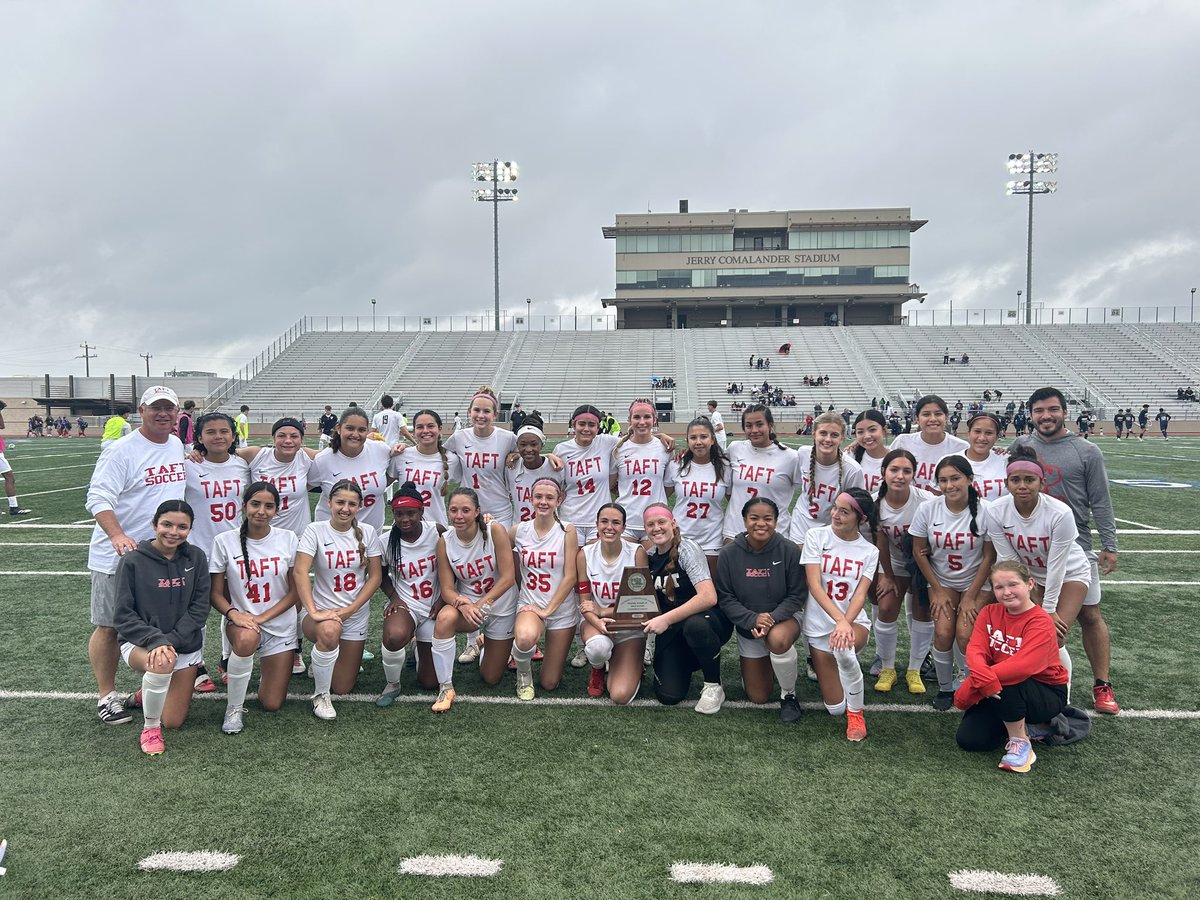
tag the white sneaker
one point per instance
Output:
(298, 664)
(649, 657)
(470, 653)
(579, 660)
(233, 720)
(711, 699)
(323, 707)
(810, 672)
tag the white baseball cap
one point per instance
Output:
(159, 392)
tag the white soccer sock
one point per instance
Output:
(472, 637)
(960, 660)
(523, 659)
(226, 648)
(393, 664)
(943, 661)
(239, 671)
(599, 650)
(154, 697)
(850, 673)
(322, 668)
(443, 659)
(885, 643)
(908, 605)
(920, 638)
(1065, 658)
(786, 667)
(12, 503)
(837, 709)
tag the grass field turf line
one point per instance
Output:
(592, 801)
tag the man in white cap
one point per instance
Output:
(132, 477)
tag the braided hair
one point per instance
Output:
(213, 417)
(963, 465)
(898, 453)
(768, 415)
(347, 484)
(243, 533)
(335, 442)
(480, 522)
(868, 415)
(825, 418)
(440, 449)
(395, 541)
(715, 454)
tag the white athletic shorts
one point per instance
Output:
(355, 628)
(270, 644)
(423, 627)
(182, 660)
(500, 628)
(756, 648)
(5, 468)
(566, 616)
(585, 533)
(1093, 594)
(821, 641)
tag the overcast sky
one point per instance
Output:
(189, 179)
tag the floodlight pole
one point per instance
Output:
(1029, 250)
(496, 238)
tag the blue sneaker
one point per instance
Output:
(1018, 756)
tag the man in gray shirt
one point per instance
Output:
(1075, 474)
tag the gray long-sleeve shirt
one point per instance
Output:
(1075, 474)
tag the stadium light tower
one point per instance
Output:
(497, 173)
(1031, 164)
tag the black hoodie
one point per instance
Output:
(770, 580)
(162, 601)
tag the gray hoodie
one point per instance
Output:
(750, 582)
(162, 601)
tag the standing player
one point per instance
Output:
(931, 444)
(115, 428)
(131, 479)
(529, 469)
(482, 450)
(1162, 419)
(1075, 474)
(325, 424)
(1119, 422)
(718, 423)
(700, 481)
(351, 455)
(869, 447)
(1143, 420)
(839, 565)
(427, 465)
(1083, 422)
(389, 423)
(641, 467)
(759, 466)
(457, 422)
(243, 426)
(983, 430)
(1128, 422)
(823, 472)
(10, 484)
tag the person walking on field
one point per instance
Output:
(10, 485)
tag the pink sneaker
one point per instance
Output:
(152, 742)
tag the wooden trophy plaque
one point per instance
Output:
(636, 601)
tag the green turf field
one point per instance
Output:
(584, 799)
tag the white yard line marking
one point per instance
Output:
(718, 873)
(189, 861)
(982, 882)
(1138, 524)
(1124, 552)
(1157, 532)
(84, 522)
(29, 521)
(1105, 582)
(450, 864)
(78, 487)
(923, 708)
(26, 524)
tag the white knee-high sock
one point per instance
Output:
(837, 709)
(443, 660)
(908, 605)
(322, 668)
(786, 667)
(523, 659)
(226, 647)
(920, 638)
(885, 643)
(393, 664)
(850, 673)
(599, 650)
(154, 697)
(943, 662)
(1065, 658)
(239, 671)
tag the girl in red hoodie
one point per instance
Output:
(1015, 676)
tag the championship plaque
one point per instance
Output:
(636, 601)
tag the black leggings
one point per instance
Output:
(695, 643)
(982, 726)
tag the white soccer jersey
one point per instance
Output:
(1046, 542)
(338, 564)
(257, 583)
(699, 497)
(716, 419)
(955, 554)
(482, 462)
(872, 473)
(928, 455)
(586, 471)
(843, 565)
(414, 574)
(605, 577)
(759, 472)
(641, 471)
(291, 480)
(543, 562)
(214, 491)
(476, 569)
(814, 502)
(369, 469)
(989, 476)
(894, 522)
(387, 422)
(428, 473)
(520, 487)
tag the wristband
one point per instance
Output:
(584, 587)
(229, 614)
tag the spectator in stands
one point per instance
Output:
(786, 348)
(966, 360)
(752, 360)
(946, 357)
(987, 396)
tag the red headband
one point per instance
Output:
(666, 511)
(850, 499)
(548, 480)
(487, 396)
(402, 502)
(636, 403)
(1026, 465)
(586, 415)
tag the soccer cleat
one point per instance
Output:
(134, 700)
(525, 686)
(1018, 756)
(152, 742)
(512, 663)
(856, 725)
(537, 653)
(943, 701)
(789, 709)
(887, 680)
(223, 670)
(876, 665)
(204, 684)
(391, 691)
(579, 660)
(367, 655)
(233, 720)
(19, 511)
(915, 684)
(928, 669)
(712, 696)
(597, 682)
(445, 699)
(322, 707)
(298, 667)
(471, 653)
(112, 711)
(809, 671)
(1103, 700)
